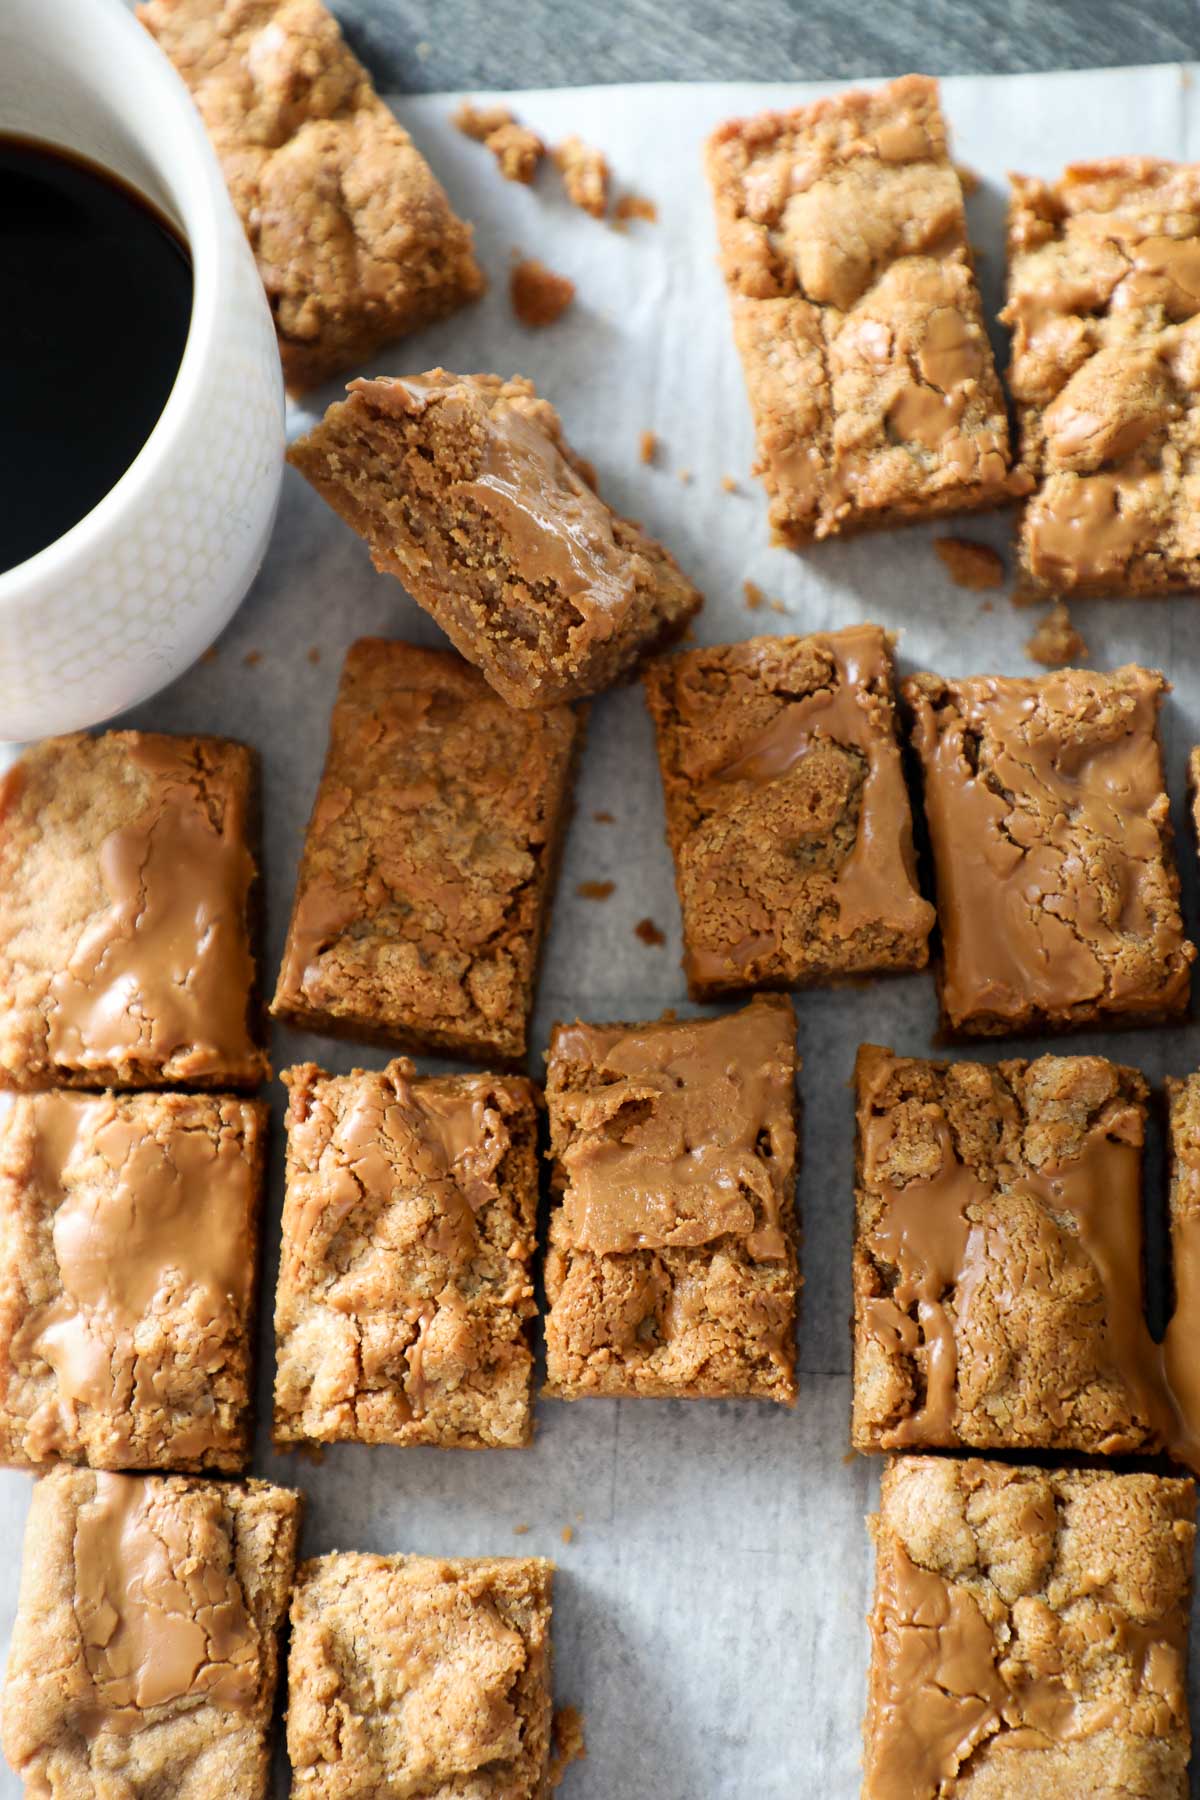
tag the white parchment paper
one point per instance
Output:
(709, 1606)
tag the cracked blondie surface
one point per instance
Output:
(419, 1676)
(126, 893)
(1050, 826)
(787, 813)
(128, 1259)
(405, 1284)
(354, 237)
(856, 314)
(1104, 306)
(430, 860)
(145, 1651)
(465, 489)
(672, 1266)
(1029, 1633)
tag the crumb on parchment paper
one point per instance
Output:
(754, 595)
(729, 484)
(647, 447)
(539, 296)
(585, 175)
(685, 476)
(635, 206)
(252, 658)
(604, 817)
(649, 932)
(969, 564)
(567, 1534)
(520, 1530)
(568, 1742)
(517, 150)
(596, 890)
(1056, 641)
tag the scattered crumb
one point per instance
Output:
(211, 654)
(649, 933)
(968, 180)
(754, 595)
(568, 1743)
(987, 606)
(567, 1533)
(636, 206)
(729, 484)
(647, 446)
(685, 475)
(777, 606)
(314, 653)
(520, 1530)
(517, 150)
(970, 565)
(1056, 640)
(585, 175)
(251, 657)
(595, 890)
(851, 1456)
(538, 295)
(604, 818)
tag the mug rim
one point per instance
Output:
(198, 194)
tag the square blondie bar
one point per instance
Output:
(128, 1263)
(421, 1675)
(1057, 894)
(1103, 302)
(145, 1653)
(405, 1283)
(126, 896)
(465, 489)
(672, 1267)
(354, 237)
(844, 245)
(787, 813)
(431, 857)
(1029, 1633)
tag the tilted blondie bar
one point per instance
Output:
(787, 813)
(128, 1257)
(405, 1282)
(1029, 1633)
(423, 1676)
(1057, 894)
(145, 1653)
(672, 1265)
(126, 894)
(355, 240)
(430, 861)
(465, 489)
(1104, 305)
(856, 314)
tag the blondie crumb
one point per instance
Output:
(517, 150)
(753, 595)
(466, 490)
(421, 1676)
(128, 1256)
(596, 890)
(585, 175)
(145, 1653)
(976, 567)
(127, 898)
(672, 1265)
(569, 1745)
(539, 296)
(649, 933)
(1056, 641)
(635, 206)
(1029, 1633)
(647, 447)
(355, 240)
(405, 1287)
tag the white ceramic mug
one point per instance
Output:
(125, 600)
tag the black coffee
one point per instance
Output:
(95, 303)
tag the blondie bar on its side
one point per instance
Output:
(1057, 894)
(672, 1267)
(1029, 1633)
(145, 1652)
(464, 487)
(419, 1675)
(430, 861)
(128, 1262)
(405, 1285)
(1104, 306)
(856, 314)
(355, 240)
(787, 813)
(126, 898)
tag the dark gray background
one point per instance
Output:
(424, 46)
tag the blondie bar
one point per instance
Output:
(787, 813)
(464, 487)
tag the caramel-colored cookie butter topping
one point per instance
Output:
(1057, 898)
(150, 1221)
(161, 1622)
(1104, 302)
(408, 1234)
(1038, 1617)
(843, 242)
(787, 810)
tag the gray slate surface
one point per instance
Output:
(425, 46)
